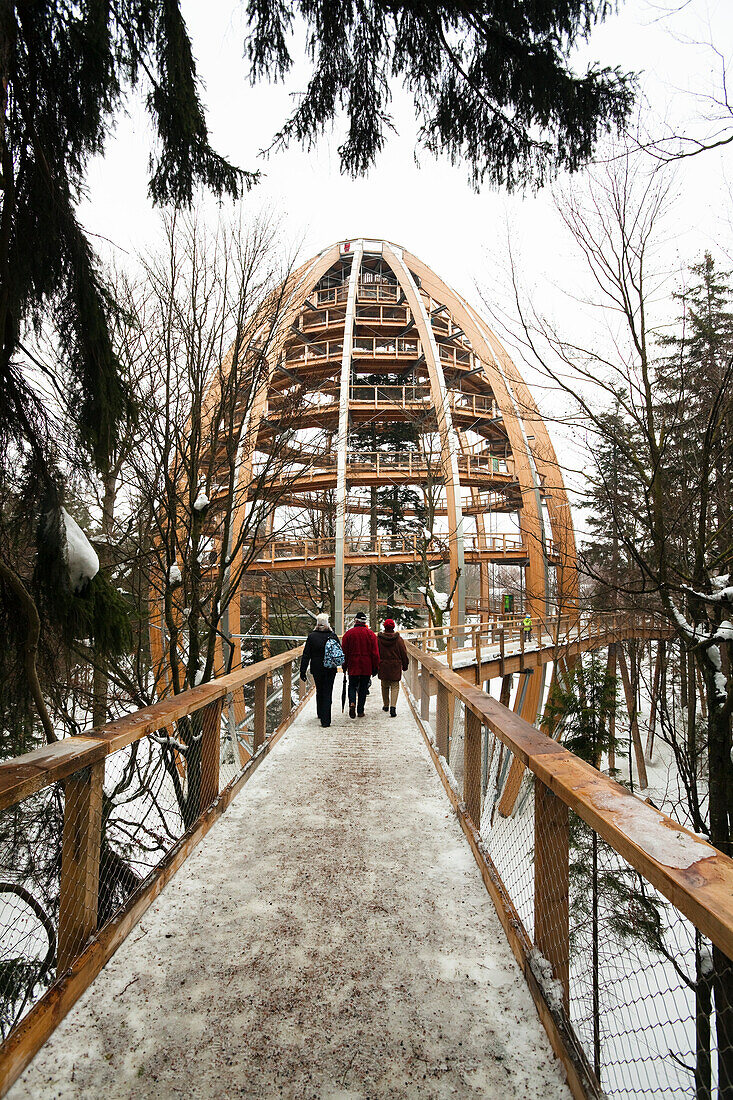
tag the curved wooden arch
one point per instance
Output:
(531, 462)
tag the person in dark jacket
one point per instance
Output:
(362, 660)
(392, 663)
(313, 651)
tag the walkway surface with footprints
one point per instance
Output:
(331, 937)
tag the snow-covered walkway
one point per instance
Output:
(330, 938)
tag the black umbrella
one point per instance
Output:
(343, 693)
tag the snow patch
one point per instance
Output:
(174, 575)
(645, 826)
(81, 558)
(551, 986)
(201, 501)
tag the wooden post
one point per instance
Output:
(287, 695)
(414, 676)
(552, 883)
(506, 690)
(260, 722)
(442, 720)
(472, 766)
(80, 847)
(424, 693)
(210, 753)
(501, 650)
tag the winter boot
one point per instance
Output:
(385, 709)
(392, 712)
(352, 710)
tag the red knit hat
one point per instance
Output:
(389, 624)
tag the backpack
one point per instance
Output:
(333, 655)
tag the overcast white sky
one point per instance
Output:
(429, 208)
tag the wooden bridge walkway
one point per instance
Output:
(330, 937)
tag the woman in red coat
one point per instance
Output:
(361, 662)
(392, 663)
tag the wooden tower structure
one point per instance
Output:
(371, 346)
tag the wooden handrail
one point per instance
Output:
(33, 771)
(698, 879)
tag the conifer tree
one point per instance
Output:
(492, 82)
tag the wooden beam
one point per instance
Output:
(210, 753)
(80, 847)
(552, 884)
(472, 767)
(260, 719)
(442, 720)
(287, 688)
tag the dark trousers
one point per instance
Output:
(358, 687)
(324, 690)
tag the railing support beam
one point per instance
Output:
(210, 753)
(260, 720)
(80, 847)
(552, 883)
(472, 766)
(287, 693)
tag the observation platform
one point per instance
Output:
(330, 937)
(281, 554)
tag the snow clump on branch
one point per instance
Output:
(201, 501)
(81, 558)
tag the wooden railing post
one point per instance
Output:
(442, 720)
(414, 676)
(472, 766)
(287, 693)
(501, 650)
(424, 693)
(210, 753)
(260, 718)
(552, 883)
(80, 847)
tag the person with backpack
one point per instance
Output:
(323, 652)
(527, 626)
(392, 663)
(361, 662)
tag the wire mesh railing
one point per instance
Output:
(622, 917)
(86, 823)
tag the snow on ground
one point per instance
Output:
(330, 938)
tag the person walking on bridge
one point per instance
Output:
(361, 657)
(527, 626)
(392, 663)
(323, 653)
